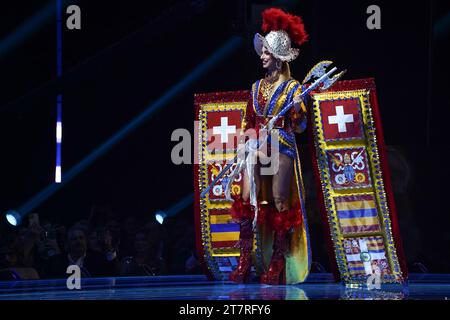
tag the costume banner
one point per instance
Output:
(354, 184)
(220, 120)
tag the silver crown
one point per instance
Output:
(277, 43)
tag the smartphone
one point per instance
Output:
(33, 218)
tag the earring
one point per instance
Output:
(279, 64)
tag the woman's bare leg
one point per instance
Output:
(246, 188)
(281, 182)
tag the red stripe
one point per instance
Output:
(387, 182)
(217, 212)
(197, 213)
(362, 228)
(223, 244)
(321, 198)
(355, 263)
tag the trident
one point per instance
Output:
(322, 81)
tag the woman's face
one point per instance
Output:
(268, 61)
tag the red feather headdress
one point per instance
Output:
(276, 19)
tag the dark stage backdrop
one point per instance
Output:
(127, 54)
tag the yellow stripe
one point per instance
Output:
(375, 245)
(224, 236)
(355, 205)
(353, 222)
(283, 141)
(282, 97)
(220, 218)
(375, 241)
(234, 253)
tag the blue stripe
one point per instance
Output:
(289, 151)
(224, 227)
(376, 251)
(356, 269)
(347, 214)
(289, 137)
(276, 95)
(289, 97)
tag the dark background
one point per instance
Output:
(128, 54)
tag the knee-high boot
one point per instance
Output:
(283, 222)
(276, 272)
(243, 212)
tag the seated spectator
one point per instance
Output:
(147, 260)
(91, 263)
(37, 244)
(8, 257)
(11, 267)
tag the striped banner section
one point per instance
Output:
(224, 234)
(357, 213)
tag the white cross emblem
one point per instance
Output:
(367, 262)
(224, 130)
(341, 119)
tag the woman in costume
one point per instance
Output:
(282, 228)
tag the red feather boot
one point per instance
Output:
(243, 212)
(276, 273)
(283, 222)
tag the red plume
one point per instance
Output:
(276, 19)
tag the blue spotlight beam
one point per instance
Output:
(180, 205)
(229, 47)
(28, 28)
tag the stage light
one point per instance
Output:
(58, 178)
(58, 167)
(174, 209)
(160, 216)
(58, 132)
(13, 217)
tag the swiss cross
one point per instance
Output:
(341, 119)
(224, 129)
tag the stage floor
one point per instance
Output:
(318, 287)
